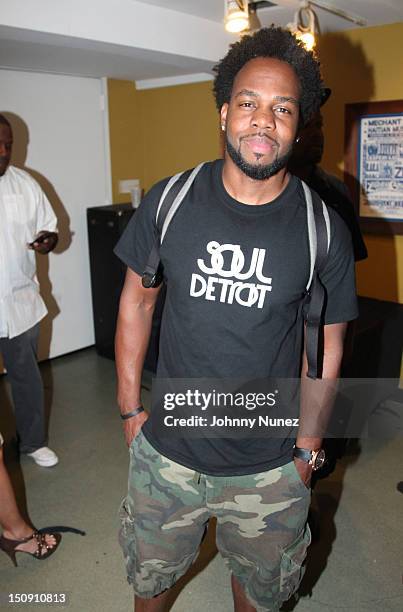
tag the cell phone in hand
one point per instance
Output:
(40, 239)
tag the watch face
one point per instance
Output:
(319, 459)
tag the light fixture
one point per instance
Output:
(236, 16)
(254, 21)
(241, 16)
(305, 26)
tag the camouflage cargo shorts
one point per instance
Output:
(261, 525)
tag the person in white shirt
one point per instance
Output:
(28, 225)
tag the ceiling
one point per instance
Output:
(143, 40)
(374, 11)
(32, 51)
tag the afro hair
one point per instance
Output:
(275, 43)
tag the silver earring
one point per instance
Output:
(298, 139)
(223, 127)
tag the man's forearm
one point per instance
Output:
(317, 396)
(131, 343)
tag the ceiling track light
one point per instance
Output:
(305, 26)
(241, 18)
(236, 17)
(240, 15)
(308, 30)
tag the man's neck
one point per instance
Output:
(252, 191)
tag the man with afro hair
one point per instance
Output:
(235, 260)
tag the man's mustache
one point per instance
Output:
(259, 135)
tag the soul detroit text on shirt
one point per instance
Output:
(245, 294)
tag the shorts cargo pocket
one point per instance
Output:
(127, 539)
(292, 564)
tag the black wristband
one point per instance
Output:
(303, 453)
(133, 413)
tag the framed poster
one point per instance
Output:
(373, 164)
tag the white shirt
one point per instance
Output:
(24, 212)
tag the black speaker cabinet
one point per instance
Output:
(105, 226)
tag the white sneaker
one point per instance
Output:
(44, 457)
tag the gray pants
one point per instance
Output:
(19, 355)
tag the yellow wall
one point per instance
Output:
(363, 65)
(158, 132)
(155, 133)
(126, 135)
(181, 129)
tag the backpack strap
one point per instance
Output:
(171, 198)
(166, 212)
(319, 242)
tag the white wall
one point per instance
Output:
(63, 120)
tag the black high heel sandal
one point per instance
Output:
(9, 546)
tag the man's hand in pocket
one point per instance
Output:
(131, 427)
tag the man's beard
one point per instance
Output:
(3, 166)
(256, 171)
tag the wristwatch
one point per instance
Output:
(315, 458)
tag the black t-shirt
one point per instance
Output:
(236, 276)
